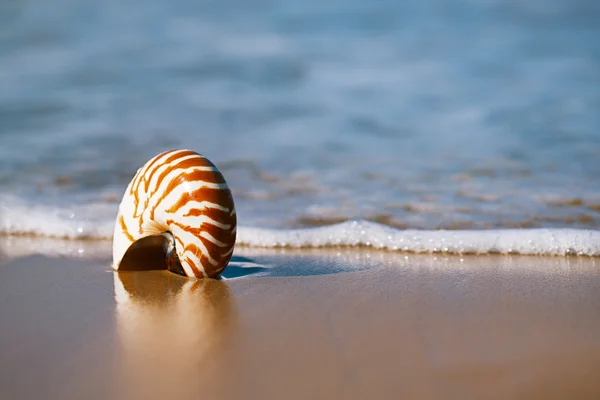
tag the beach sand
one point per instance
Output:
(327, 324)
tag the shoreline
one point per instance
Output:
(15, 246)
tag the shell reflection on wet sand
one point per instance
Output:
(173, 333)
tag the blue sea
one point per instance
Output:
(455, 115)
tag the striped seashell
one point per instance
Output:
(182, 196)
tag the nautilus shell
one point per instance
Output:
(181, 196)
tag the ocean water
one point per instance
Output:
(404, 120)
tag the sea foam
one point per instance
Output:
(79, 223)
(364, 233)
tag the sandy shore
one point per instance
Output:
(298, 325)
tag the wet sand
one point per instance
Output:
(296, 325)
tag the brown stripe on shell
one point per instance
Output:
(213, 213)
(195, 270)
(221, 234)
(142, 172)
(211, 248)
(206, 176)
(214, 177)
(204, 227)
(176, 181)
(212, 270)
(182, 179)
(209, 268)
(179, 242)
(168, 160)
(141, 178)
(195, 162)
(125, 230)
(218, 196)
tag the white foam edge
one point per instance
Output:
(69, 223)
(551, 241)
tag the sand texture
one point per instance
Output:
(303, 325)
